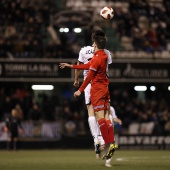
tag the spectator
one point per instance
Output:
(35, 113)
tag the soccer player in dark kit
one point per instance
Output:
(13, 129)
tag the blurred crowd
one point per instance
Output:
(144, 25)
(26, 29)
(72, 112)
(151, 107)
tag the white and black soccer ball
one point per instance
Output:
(107, 13)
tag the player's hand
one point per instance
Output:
(63, 65)
(76, 83)
(77, 93)
(120, 122)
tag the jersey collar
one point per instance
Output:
(98, 51)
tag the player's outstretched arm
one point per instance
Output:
(80, 67)
(63, 65)
(89, 77)
(76, 76)
(117, 120)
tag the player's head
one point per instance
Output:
(100, 42)
(97, 33)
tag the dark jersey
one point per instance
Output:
(13, 124)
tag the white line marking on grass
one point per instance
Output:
(131, 158)
(120, 159)
(138, 158)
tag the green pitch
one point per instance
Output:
(82, 160)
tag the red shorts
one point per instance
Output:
(100, 98)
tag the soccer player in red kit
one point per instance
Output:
(99, 91)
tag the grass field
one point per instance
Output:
(82, 160)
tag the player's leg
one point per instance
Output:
(93, 125)
(111, 136)
(9, 143)
(108, 161)
(102, 125)
(99, 99)
(110, 127)
(109, 147)
(98, 106)
(100, 138)
(108, 151)
(95, 131)
(15, 143)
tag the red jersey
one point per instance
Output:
(99, 65)
(97, 70)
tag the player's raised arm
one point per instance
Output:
(117, 120)
(76, 76)
(63, 65)
(80, 67)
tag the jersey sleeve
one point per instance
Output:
(88, 79)
(81, 56)
(82, 66)
(112, 112)
(94, 64)
(109, 60)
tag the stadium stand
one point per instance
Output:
(28, 29)
(152, 112)
(139, 30)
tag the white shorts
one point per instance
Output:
(87, 94)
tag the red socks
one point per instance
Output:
(104, 130)
(110, 130)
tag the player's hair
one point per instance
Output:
(100, 41)
(97, 33)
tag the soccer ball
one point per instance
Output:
(107, 12)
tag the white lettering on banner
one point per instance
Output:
(31, 69)
(16, 67)
(55, 68)
(41, 67)
(122, 140)
(167, 140)
(114, 73)
(160, 139)
(139, 139)
(144, 140)
(153, 139)
(131, 140)
(150, 73)
(130, 71)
